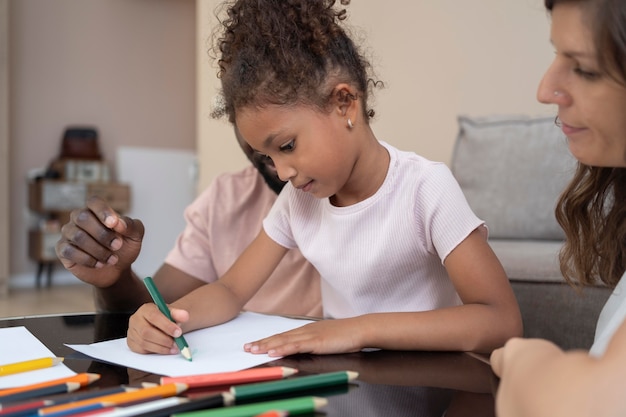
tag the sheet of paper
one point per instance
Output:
(18, 344)
(214, 349)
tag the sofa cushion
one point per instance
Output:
(512, 170)
(529, 260)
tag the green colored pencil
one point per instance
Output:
(290, 385)
(293, 406)
(160, 302)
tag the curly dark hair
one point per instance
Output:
(591, 209)
(286, 52)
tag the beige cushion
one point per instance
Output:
(512, 170)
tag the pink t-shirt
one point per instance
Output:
(221, 223)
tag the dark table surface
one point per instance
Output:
(390, 383)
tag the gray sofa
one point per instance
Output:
(512, 170)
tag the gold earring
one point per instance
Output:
(350, 125)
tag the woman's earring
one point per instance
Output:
(350, 125)
(557, 93)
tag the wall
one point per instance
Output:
(438, 59)
(4, 147)
(126, 67)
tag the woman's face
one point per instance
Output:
(591, 104)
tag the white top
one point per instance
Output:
(612, 316)
(385, 253)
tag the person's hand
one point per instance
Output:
(521, 365)
(98, 244)
(516, 351)
(320, 337)
(150, 331)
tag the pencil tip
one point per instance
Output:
(289, 371)
(93, 377)
(186, 353)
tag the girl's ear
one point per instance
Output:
(345, 100)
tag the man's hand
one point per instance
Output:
(98, 245)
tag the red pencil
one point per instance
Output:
(232, 378)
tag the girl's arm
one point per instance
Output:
(539, 379)
(488, 317)
(150, 331)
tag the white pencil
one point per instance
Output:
(145, 407)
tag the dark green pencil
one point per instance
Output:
(158, 300)
(290, 385)
(294, 406)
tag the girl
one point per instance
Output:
(404, 261)
(587, 80)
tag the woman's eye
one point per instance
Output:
(590, 75)
(289, 146)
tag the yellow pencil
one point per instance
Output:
(31, 365)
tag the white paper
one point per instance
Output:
(18, 345)
(214, 349)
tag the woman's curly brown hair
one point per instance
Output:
(286, 52)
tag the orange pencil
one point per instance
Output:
(144, 394)
(273, 413)
(232, 378)
(83, 379)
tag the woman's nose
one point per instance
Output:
(551, 89)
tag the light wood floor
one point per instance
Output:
(75, 298)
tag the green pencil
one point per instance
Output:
(290, 385)
(158, 300)
(293, 406)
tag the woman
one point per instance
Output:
(587, 81)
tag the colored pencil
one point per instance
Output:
(138, 409)
(233, 378)
(78, 410)
(265, 389)
(160, 302)
(24, 408)
(38, 392)
(294, 406)
(273, 413)
(144, 394)
(202, 403)
(83, 379)
(30, 407)
(30, 365)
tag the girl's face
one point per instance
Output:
(309, 148)
(592, 105)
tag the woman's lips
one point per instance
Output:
(570, 130)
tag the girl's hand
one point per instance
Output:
(320, 337)
(150, 331)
